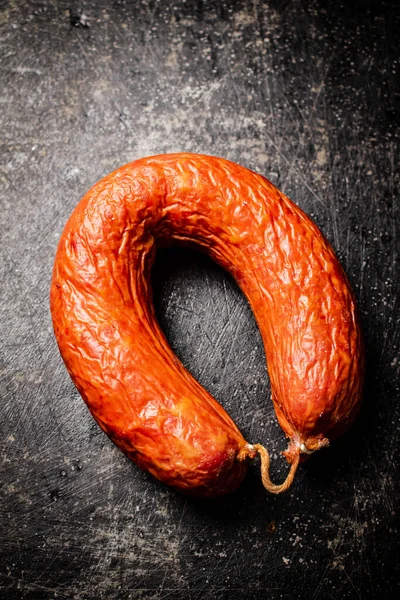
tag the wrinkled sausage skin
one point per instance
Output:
(109, 338)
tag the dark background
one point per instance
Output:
(304, 92)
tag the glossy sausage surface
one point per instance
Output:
(135, 387)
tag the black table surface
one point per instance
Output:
(304, 92)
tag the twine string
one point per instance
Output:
(250, 450)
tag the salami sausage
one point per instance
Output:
(111, 343)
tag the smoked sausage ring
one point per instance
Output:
(111, 343)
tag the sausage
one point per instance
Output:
(109, 338)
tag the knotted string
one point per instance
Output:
(250, 450)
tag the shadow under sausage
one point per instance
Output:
(348, 454)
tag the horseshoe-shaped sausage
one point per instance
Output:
(135, 387)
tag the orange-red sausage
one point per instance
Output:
(135, 387)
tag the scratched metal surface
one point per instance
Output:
(306, 95)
